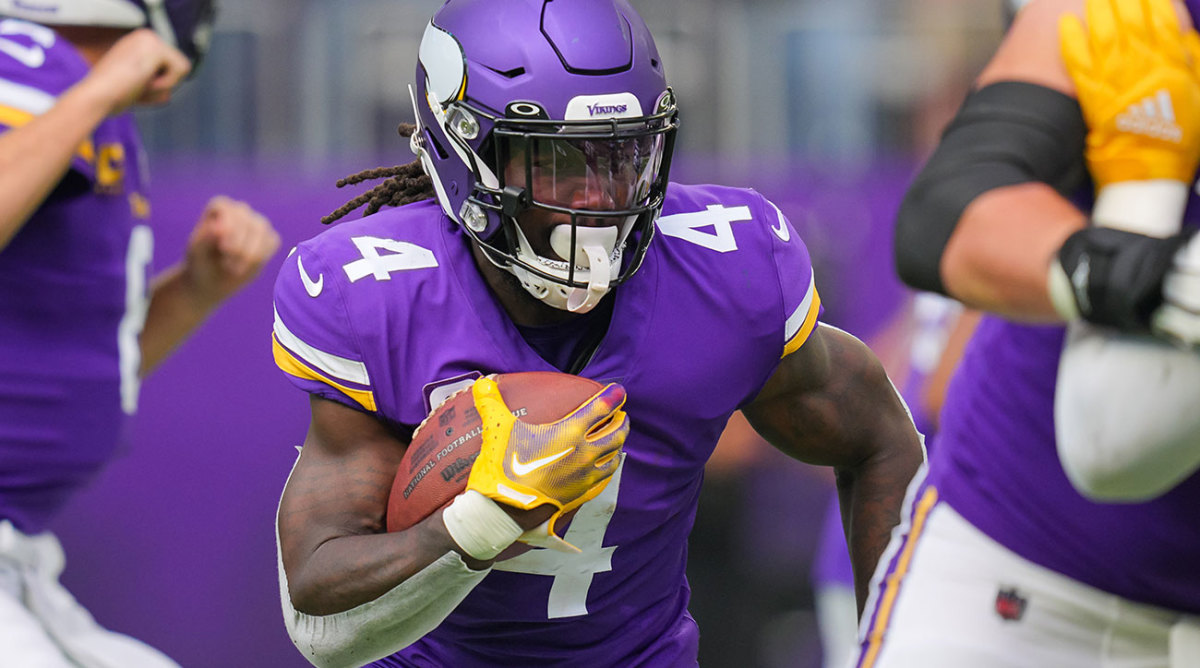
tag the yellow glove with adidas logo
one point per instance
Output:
(1135, 74)
(565, 463)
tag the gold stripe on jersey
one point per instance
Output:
(15, 118)
(334, 366)
(875, 635)
(807, 325)
(295, 366)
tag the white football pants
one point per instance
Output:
(960, 599)
(43, 626)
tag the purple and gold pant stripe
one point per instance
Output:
(889, 590)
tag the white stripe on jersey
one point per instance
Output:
(25, 98)
(333, 365)
(796, 320)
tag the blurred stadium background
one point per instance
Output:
(824, 106)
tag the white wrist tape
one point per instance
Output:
(479, 525)
(1154, 208)
(1062, 293)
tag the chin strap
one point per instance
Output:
(594, 245)
(583, 300)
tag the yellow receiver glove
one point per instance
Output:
(1135, 74)
(565, 463)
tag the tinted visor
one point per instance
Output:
(609, 171)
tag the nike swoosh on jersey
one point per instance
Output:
(313, 288)
(525, 468)
(782, 230)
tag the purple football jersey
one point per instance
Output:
(389, 313)
(72, 294)
(997, 464)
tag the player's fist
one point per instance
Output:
(227, 248)
(564, 464)
(140, 68)
(1135, 73)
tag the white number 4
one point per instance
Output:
(400, 256)
(573, 573)
(689, 226)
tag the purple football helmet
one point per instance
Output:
(554, 111)
(186, 24)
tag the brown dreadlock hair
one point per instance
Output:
(405, 184)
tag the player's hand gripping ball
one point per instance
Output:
(521, 439)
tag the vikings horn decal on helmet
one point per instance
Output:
(186, 24)
(554, 114)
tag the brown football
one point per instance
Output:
(438, 461)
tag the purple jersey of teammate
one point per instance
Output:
(997, 465)
(390, 312)
(72, 294)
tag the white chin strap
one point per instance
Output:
(597, 262)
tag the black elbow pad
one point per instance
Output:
(1004, 134)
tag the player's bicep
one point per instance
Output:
(824, 400)
(1030, 50)
(340, 483)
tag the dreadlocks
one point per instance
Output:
(405, 184)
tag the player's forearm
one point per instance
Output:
(348, 571)
(358, 599)
(872, 495)
(999, 257)
(176, 310)
(35, 156)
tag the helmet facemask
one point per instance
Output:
(547, 131)
(572, 197)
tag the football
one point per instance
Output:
(438, 462)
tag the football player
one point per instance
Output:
(1003, 561)
(539, 232)
(82, 319)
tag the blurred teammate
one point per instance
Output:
(81, 320)
(546, 131)
(1003, 562)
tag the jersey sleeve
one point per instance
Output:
(797, 282)
(312, 339)
(36, 66)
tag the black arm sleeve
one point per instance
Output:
(1004, 134)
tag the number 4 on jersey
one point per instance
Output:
(689, 226)
(573, 573)
(400, 256)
